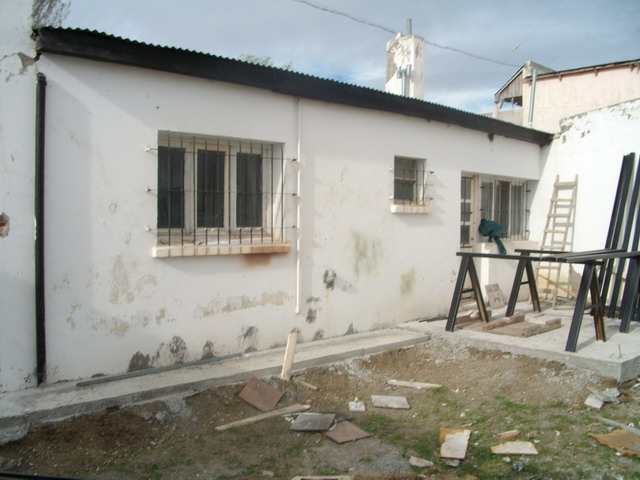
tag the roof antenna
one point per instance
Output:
(409, 26)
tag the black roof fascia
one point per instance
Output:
(107, 48)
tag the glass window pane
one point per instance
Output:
(170, 187)
(249, 190)
(210, 189)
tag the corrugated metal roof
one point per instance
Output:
(100, 46)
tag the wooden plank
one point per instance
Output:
(501, 322)
(263, 416)
(306, 385)
(418, 385)
(613, 423)
(527, 329)
(290, 351)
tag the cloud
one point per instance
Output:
(561, 34)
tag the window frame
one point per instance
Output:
(505, 200)
(410, 174)
(233, 227)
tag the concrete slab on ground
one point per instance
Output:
(617, 358)
(21, 410)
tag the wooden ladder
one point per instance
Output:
(554, 278)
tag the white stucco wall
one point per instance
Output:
(591, 145)
(17, 124)
(110, 303)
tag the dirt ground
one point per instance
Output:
(487, 392)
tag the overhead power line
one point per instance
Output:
(392, 31)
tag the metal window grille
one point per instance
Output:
(466, 198)
(505, 201)
(410, 181)
(219, 191)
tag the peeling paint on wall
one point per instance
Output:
(4, 225)
(139, 361)
(249, 336)
(245, 302)
(319, 335)
(366, 254)
(311, 315)
(257, 259)
(119, 327)
(178, 349)
(208, 351)
(407, 281)
(121, 289)
(63, 284)
(161, 315)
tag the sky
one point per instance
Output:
(346, 40)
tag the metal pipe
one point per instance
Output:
(533, 95)
(41, 344)
(298, 209)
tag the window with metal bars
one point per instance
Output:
(410, 181)
(505, 201)
(219, 191)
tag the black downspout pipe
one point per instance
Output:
(41, 351)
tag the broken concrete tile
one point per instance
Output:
(346, 432)
(611, 393)
(494, 296)
(518, 447)
(507, 434)
(313, 422)
(263, 416)
(418, 385)
(594, 402)
(622, 441)
(453, 443)
(389, 401)
(420, 462)
(257, 393)
(357, 406)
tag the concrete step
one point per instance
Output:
(19, 411)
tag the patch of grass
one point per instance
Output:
(559, 404)
(294, 449)
(121, 466)
(423, 448)
(377, 423)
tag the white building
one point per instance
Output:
(197, 206)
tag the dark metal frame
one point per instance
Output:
(467, 266)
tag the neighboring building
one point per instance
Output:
(540, 97)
